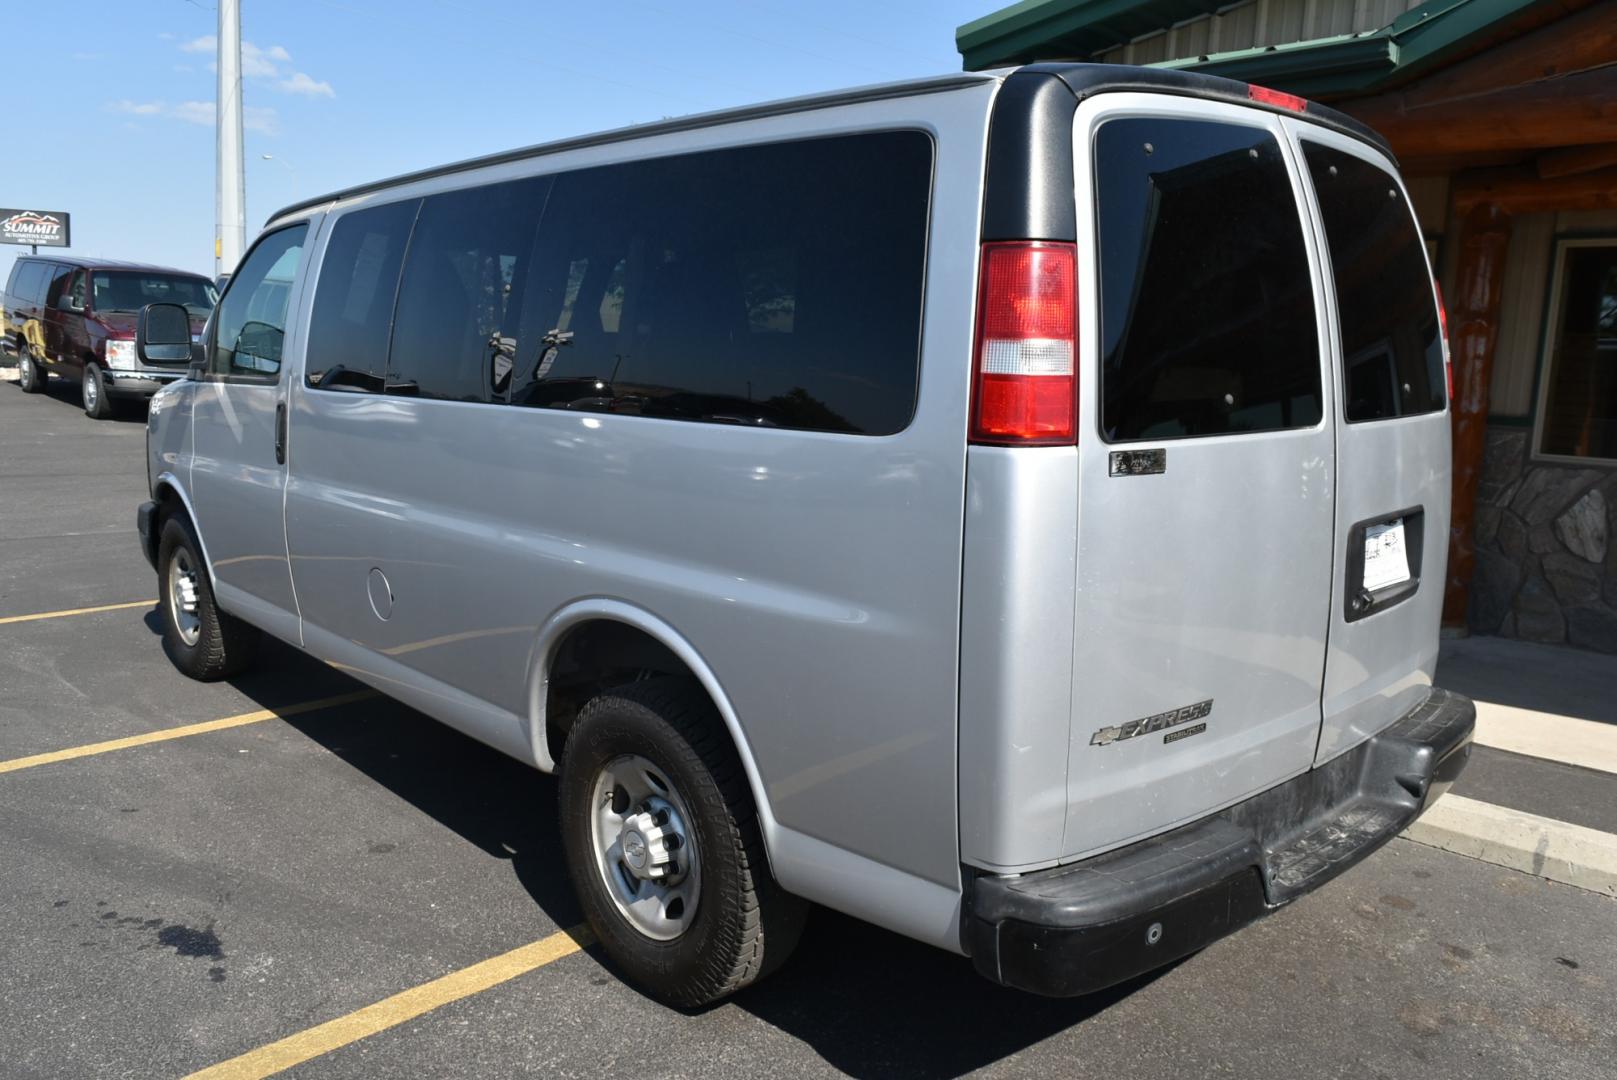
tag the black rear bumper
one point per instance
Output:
(1079, 928)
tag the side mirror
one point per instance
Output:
(163, 334)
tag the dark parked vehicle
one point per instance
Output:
(76, 319)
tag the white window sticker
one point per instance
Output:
(1386, 562)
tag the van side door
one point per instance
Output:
(1392, 439)
(238, 461)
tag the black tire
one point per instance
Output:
(93, 393)
(30, 376)
(744, 924)
(223, 645)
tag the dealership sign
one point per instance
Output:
(47, 228)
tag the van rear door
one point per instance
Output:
(1392, 440)
(1207, 467)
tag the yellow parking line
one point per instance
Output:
(166, 734)
(75, 611)
(389, 1012)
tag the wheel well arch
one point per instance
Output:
(591, 643)
(171, 498)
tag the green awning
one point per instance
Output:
(1350, 64)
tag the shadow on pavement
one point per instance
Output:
(1556, 679)
(66, 392)
(874, 1004)
(871, 1003)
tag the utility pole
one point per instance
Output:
(230, 186)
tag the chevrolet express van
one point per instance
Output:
(75, 318)
(1009, 508)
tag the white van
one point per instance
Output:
(1010, 508)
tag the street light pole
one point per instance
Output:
(230, 192)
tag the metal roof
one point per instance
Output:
(1350, 64)
(907, 88)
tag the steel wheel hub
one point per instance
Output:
(643, 847)
(182, 596)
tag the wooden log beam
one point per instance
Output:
(1521, 190)
(1572, 110)
(1576, 159)
(1474, 329)
(1576, 42)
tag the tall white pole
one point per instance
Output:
(230, 191)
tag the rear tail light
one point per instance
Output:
(1277, 98)
(1024, 390)
(1443, 325)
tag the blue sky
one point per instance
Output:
(119, 103)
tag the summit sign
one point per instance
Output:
(45, 228)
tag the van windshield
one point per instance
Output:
(130, 291)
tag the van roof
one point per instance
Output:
(84, 262)
(1083, 79)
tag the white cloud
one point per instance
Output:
(264, 120)
(194, 112)
(136, 108)
(300, 83)
(184, 69)
(258, 62)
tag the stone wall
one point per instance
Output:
(1546, 538)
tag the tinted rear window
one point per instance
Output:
(359, 280)
(775, 285)
(1207, 310)
(1391, 346)
(30, 282)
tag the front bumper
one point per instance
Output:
(1082, 927)
(146, 524)
(142, 382)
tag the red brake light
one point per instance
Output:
(1280, 100)
(1025, 392)
(1443, 325)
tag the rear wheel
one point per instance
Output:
(203, 641)
(93, 389)
(29, 376)
(664, 846)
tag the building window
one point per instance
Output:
(1577, 407)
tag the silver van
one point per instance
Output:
(1009, 508)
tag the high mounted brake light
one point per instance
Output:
(1443, 326)
(1024, 390)
(1279, 99)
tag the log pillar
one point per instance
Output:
(1474, 329)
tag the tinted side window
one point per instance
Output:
(455, 335)
(250, 325)
(1392, 349)
(29, 282)
(353, 302)
(774, 286)
(1207, 310)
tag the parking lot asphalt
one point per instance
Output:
(180, 903)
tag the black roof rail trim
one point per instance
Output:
(1086, 80)
(1028, 190)
(665, 127)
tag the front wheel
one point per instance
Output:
(93, 387)
(204, 642)
(664, 846)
